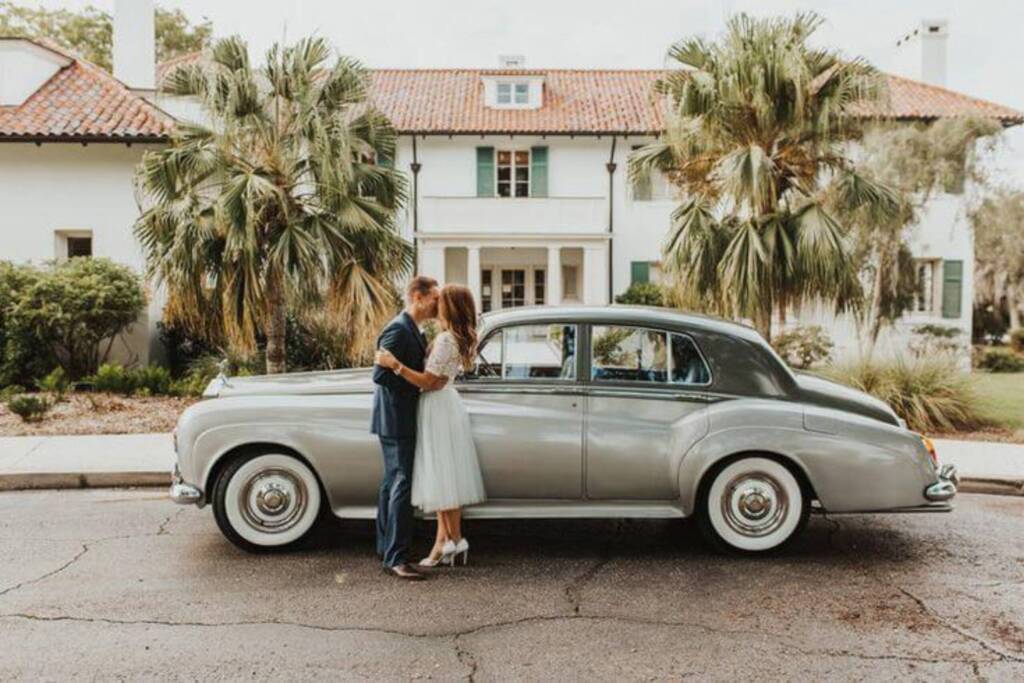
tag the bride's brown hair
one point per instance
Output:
(457, 310)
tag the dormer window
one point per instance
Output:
(513, 91)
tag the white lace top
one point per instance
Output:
(444, 359)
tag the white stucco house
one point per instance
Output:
(518, 175)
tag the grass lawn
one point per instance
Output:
(1002, 398)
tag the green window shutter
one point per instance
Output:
(538, 171)
(641, 186)
(952, 287)
(640, 272)
(484, 171)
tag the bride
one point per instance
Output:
(446, 474)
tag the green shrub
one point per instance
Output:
(75, 309)
(56, 383)
(803, 347)
(28, 407)
(22, 357)
(929, 339)
(1017, 340)
(113, 378)
(642, 294)
(11, 390)
(930, 393)
(154, 380)
(1001, 360)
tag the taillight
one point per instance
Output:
(929, 446)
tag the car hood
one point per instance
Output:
(828, 394)
(325, 382)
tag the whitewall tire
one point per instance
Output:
(266, 500)
(753, 505)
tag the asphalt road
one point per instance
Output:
(123, 584)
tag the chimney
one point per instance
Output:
(922, 52)
(511, 61)
(135, 44)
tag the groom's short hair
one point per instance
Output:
(420, 284)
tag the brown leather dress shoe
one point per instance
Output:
(405, 572)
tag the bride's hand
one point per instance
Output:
(385, 359)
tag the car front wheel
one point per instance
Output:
(752, 505)
(266, 500)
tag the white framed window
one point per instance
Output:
(513, 172)
(513, 93)
(927, 272)
(72, 243)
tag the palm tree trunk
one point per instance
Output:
(276, 325)
(1014, 307)
(763, 319)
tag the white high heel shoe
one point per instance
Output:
(461, 548)
(448, 551)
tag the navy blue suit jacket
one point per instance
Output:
(396, 401)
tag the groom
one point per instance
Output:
(395, 402)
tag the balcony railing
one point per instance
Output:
(522, 215)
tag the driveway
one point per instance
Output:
(120, 583)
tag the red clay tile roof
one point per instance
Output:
(82, 102)
(578, 101)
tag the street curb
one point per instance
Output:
(992, 486)
(93, 480)
(28, 481)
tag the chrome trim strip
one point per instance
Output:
(508, 388)
(928, 507)
(543, 509)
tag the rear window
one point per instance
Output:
(622, 353)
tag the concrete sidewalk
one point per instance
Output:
(28, 462)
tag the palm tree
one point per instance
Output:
(276, 203)
(757, 125)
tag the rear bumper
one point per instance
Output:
(945, 488)
(182, 493)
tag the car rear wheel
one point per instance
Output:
(752, 505)
(266, 500)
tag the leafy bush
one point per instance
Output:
(22, 357)
(930, 393)
(77, 308)
(929, 339)
(113, 378)
(642, 294)
(11, 390)
(56, 383)
(152, 380)
(1001, 360)
(1017, 340)
(28, 407)
(803, 347)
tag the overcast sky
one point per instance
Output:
(986, 50)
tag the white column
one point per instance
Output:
(473, 273)
(431, 262)
(554, 284)
(595, 275)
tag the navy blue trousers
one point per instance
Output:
(394, 505)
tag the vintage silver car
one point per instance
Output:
(577, 412)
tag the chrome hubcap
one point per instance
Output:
(273, 500)
(754, 504)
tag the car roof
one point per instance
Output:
(634, 315)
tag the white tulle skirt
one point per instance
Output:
(446, 472)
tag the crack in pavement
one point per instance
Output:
(162, 529)
(54, 572)
(922, 605)
(573, 591)
(467, 659)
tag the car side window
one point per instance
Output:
(488, 359)
(688, 366)
(628, 354)
(621, 353)
(539, 352)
